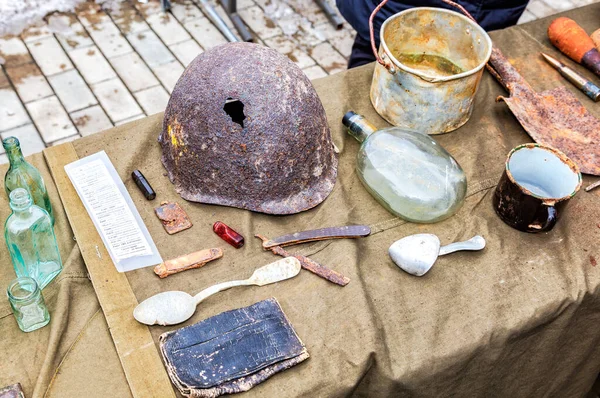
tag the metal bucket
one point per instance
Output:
(443, 54)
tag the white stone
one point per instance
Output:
(169, 73)
(167, 28)
(285, 46)
(328, 58)
(256, 19)
(314, 72)
(77, 37)
(72, 90)
(150, 48)
(13, 51)
(12, 113)
(110, 40)
(186, 11)
(51, 119)
(34, 33)
(186, 51)
(116, 100)
(134, 72)
(91, 120)
(67, 139)
(152, 100)
(131, 119)
(29, 82)
(205, 33)
(92, 65)
(49, 56)
(29, 138)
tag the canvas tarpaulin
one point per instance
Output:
(519, 318)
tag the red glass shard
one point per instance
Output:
(228, 235)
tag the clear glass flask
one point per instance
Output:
(408, 172)
(21, 174)
(27, 304)
(30, 239)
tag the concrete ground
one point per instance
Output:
(84, 72)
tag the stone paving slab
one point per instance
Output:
(51, 119)
(84, 72)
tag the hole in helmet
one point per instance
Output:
(235, 109)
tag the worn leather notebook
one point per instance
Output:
(233, 351)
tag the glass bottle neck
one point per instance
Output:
(13, 151)
(358, 127)
(20, 202)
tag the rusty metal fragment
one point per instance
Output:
(173, 217)
(310, 265)
(245, 128)
(12, 391)
(189, 261)
(554, 117)
(592, 186)
(350, 231)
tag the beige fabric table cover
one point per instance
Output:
(518, 319)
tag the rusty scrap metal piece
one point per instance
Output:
(173, 217)
(310, 265)
(189, 261)
(245, 128)
(350, 231)
(592, 186)
(12, 391)
(554, 117)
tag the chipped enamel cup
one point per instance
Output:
(537, 183)
(430, 63)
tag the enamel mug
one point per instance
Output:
(536, 185)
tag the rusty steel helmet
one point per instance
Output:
(245, 128)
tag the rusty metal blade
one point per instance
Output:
(350, 231)
(555, 117)
(310, 265)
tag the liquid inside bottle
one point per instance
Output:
(408, 172)
(31, 241)
(21, 174)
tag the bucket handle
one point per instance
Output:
(388, 65)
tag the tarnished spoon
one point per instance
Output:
(170, 308)
(416, 254)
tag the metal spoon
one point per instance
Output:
(170, 308)
(416, 254)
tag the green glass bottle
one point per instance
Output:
(30, 239)
(23, 175)
(408, 172)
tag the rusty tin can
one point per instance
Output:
(430, 63)
(536, 185)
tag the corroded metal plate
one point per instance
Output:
(554, 117)
(173, 217)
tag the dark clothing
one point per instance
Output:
(491, 14)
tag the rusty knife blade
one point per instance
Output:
(310, 265)
(350, 231)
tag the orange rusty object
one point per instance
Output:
(574, 42)
(310, 265)
(189, 261)
(173, 217)
(554, 117)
